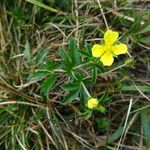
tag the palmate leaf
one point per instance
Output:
(44, 71)
(49, 65)
(70, 56)
(67, 63)
(48, 84)
(73, 52)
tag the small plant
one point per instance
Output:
(67, 82)
(75, 65)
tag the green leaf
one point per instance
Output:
(70, 97)
(146, 126)
(133, 88)
(145, 29)
(86, 115)
(72, 86)
(27, 53)
(103, 123)
(48, 84)
(101, 108)
(37, 3)
(84, 53)
(70, 56)
(73, 52)
(94, 74)
(105, 98)
(115, 135)
(49, 65)
(145, 40)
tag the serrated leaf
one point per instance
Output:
(72, 50)
(27, 53)
(67, 64)
(48, 84)
(101, 109)
(84, 53)
(70, 97)
(49, 65)
(70, 56)
(103, 123)
(72, 86)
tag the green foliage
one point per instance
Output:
(70, 56)
(37, 3)
(48, 84)
(146, 126)
(70, 97)
(115, 135)
(27, 53)
(72, 86)
(103, 123)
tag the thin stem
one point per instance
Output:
(81, 65)
(85, 89)
(109, 71)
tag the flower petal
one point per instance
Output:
(97, 50)
(120, 49)
(107, 59)
(110, 37)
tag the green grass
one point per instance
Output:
(47, 74)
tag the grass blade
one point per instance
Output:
(37, 3)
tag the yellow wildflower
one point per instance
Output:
(92, 103)
(109, 49)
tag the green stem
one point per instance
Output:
(84, 87)
(105, 73)
(81, 65)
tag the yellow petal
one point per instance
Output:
(92, 103)
(107, 59)
(110, 37)
(97, 50)
(120, 49)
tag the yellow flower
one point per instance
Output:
(109, 49)
(92, 103)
